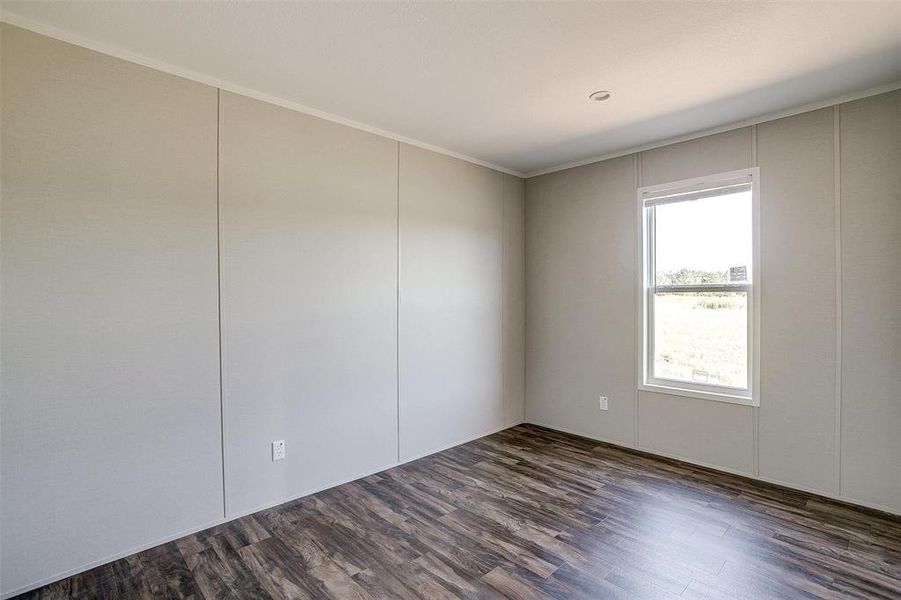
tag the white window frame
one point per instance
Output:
(647, 289)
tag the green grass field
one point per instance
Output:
(701, 338)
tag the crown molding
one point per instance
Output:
(117, 52)
(882, 89)
(66, 36)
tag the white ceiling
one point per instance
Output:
(507, 83)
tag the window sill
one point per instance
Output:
(699, 395)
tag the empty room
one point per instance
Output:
(375, 300)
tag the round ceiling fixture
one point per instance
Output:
(600, 95)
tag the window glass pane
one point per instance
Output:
(701, 337)
(703, 241)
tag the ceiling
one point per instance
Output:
(507, 83)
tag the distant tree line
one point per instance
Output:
(691, 277)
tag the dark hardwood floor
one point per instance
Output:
(526, 513)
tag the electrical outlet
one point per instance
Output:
(278, 450)
(603, 403)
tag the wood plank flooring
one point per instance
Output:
(526, 513)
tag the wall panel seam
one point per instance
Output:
(397, 299)
(755, 410)
(504, 298)
(525, 299)
(638, 316)
(522, 414)
(222, 420)
(836, 164)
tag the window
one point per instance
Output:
(699, 270)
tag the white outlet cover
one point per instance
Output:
(278, 450)
(602, 404)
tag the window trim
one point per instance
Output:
(646, 287)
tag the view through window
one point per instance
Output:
(699, 265)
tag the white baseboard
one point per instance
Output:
(590, 436)
(583, 434)
(220, 521)
(831, 496)
(109, 559)
(461, 442)
(697, 463)
(746, 474)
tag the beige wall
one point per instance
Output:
(110, 405)
(109, 433)
(580, 299)
(797, 442)
(451, 321)
(514, 307)
(813, 430)
(871, 288)
(309, 301)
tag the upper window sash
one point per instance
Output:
(653, 196)
(666, 194)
